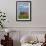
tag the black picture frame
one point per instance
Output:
(26, 18)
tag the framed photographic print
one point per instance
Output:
(23, 10)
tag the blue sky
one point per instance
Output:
(22, 7)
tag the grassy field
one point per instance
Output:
(23, 15)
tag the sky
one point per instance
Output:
(22, 7)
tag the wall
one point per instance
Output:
(38, 22)
(38, 13)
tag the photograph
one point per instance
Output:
(23, 10)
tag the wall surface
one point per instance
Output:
(38, 13)
(38, 22)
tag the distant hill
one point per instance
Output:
(23, 15)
